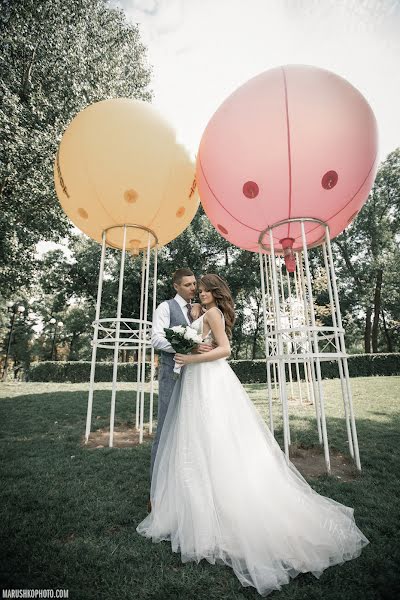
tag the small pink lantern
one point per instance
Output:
(294, 142)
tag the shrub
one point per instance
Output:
(79, 371)
(360, 365)
(248, 371)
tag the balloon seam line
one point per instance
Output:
(288, 147)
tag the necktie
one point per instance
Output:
(189, 310)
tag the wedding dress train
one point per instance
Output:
(222, 488)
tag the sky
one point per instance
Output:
(202, 50)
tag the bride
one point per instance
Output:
(222, 488)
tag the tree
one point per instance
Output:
(367, 269)
(20, 344)
(57, 57)
(67, 287)
(78, 332)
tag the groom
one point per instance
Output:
(176, 311)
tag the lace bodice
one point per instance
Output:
(198, 326)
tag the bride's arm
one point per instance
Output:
(223, 349)
(197, 310)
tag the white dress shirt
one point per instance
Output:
(161, 321)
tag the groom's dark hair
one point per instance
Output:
(180, 273)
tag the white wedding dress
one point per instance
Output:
(222, 488)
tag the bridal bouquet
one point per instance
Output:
(183, 340)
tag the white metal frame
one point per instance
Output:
(292, 335)
(119, 332)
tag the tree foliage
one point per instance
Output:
(368, 262)
(56, 58)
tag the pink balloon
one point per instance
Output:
(295, 141)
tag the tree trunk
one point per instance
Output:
(377, 310)
(71, 345)
(226, 257)
(254, 345)
(238, 341)
(387, 334)
(367, 331)
(255, 336)
(346, 257)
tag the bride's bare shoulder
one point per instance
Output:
(213, 313)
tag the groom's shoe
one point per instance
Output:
(149, 505)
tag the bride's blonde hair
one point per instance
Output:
(222, 297)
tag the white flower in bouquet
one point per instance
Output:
(191, 334)
(178, 329)
(183, 340)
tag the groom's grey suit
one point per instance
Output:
(166, 381)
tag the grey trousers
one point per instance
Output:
(166, 383)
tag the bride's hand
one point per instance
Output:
(197, 310)
(182, 359)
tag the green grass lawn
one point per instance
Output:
(69, 513)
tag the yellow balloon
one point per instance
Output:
(118, 163)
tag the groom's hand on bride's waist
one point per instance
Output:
(202, 348)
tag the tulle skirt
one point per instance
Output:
(222, 489)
